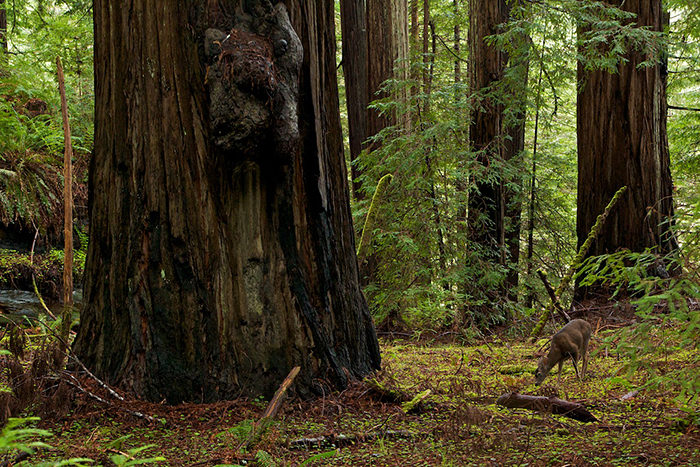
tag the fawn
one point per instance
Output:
(569, 341)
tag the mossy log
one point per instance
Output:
(370, 220)
(576, 263)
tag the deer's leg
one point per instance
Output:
(585, 359)
(561, 363)
(574, 359)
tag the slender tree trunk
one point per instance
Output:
(355, 67)
(621, 129)
(3, 27)
(514, 146)
(457, 42)
(67, 198)
(533, 181)
(221, 250)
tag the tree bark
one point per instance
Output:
(353, 18)
(221, 248)
(387, 32)
(621, 129)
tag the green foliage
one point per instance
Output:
(241, 431)
(16, 268)
(16, 435)
(31, 129)
(657, 335)
(30, 191)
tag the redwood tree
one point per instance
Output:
(221, 247)
(375, 36)
(353, 16)
(621, 129)
(494, 210)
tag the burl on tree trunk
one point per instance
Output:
(221, 251)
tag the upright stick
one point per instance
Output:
(67, 195)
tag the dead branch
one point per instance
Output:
(341, 440)
(630, 395)
(72, 356)
(263, 424)
(553, 296)
(73, 382)
(553, 405)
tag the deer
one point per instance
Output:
(571, 341)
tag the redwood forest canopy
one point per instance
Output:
(235, 153)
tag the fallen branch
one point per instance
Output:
(69, 353)
(553, 296)
(346, 440)
(261, 426)
(553, 405)
(76, 384)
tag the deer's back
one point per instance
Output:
(572, 337)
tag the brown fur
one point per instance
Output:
(571, 341)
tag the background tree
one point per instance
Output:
(497, 139)
(3, 27)
(353, 16)
(221, 250)
(622, 140)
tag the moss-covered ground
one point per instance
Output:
(458, 422)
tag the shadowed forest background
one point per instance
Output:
(258, 186)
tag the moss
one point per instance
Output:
(16, 271)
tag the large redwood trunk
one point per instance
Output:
(622, 141)
(221, 251)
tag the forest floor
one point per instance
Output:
(458, 422)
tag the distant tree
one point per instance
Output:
(622, 140)
(3, 26)
(353, 16)
(221, 246)
(493, 208)
(375, 37)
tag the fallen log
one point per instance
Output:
(553, 405)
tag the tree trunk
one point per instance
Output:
(3, 27)
(622, 140)
(387, 32)
(221, 251)
(493, 211)
(354, 28)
